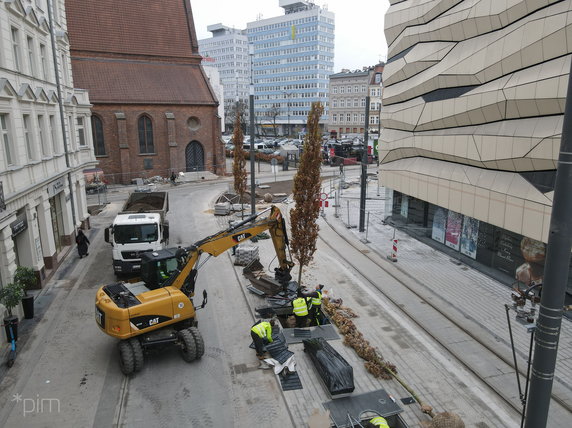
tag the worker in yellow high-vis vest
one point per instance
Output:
(300, 310)
(377, 422)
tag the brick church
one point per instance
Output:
(154, 111)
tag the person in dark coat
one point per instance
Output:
(82, 244)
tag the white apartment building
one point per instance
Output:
(42, 189)
(227, 50)
(214, 80)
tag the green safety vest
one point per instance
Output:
(380, 422)
(317, 301)
(300, 307)
(263, 329)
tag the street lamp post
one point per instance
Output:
(251, 102)
(288, 106)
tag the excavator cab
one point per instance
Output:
(158, 267)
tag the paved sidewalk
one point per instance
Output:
(473, 298)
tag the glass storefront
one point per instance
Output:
(57, 221)
(517, 256)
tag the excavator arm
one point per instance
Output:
(218, 243)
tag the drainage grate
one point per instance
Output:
(299, 332)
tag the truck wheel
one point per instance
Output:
(126, 357)
(137, 353)
(188, 347)
(199, 342)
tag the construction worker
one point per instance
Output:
(315, 305)
(377, 422)
(300, 309)
(259, 332)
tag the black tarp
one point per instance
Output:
(334, 370)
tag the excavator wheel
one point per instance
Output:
(188, 346)
(126, 357)
(199, 342)
(137, 353)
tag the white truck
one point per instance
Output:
(140, 226)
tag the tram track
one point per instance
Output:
(407, 308)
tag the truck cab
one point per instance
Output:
(133, 234)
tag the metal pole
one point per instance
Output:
(555, 280)
(348, 214)
(252, 166)
(364, 170)
(367, 228)
(61, 106)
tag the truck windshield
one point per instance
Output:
(135, 233)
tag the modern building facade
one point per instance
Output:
(154, 111)
(42, 157)
(293, 60)
(227, 50)
(472, 117)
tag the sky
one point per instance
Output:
(359, 37)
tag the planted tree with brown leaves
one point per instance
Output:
(239, 159)
(306, 194)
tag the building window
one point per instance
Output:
(145, 135)
(7, 144)
(342, 102)
(71, 133)
(356, 102)
(335, 103)
(362, 118)
(42, 135)
(363, 89)
(97, 132)
(363, 102)
(28, 137)
(335, 89)
(348, 117)
(356, 89)
(43, 62)
(31, 55)
(16, 48)
(355, 117)
(80, 130)
(342, 89)
(334, 118)
(54, 134)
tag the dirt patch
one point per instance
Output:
(279, 187)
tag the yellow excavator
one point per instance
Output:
(157, 308)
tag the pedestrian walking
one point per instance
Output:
(261, 332)
(82, 244)
(300, 309)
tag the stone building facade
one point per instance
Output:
(154, 111)
(42, 157)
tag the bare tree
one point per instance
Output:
(273, 112)
(234, 109)
(306, 194)
(239, 159)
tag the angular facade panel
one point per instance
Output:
(478, 85)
